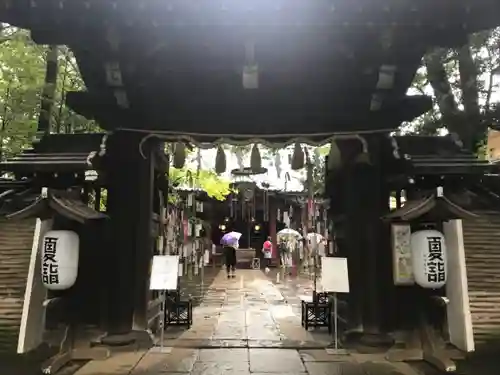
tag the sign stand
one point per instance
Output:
(335, 323)
(335, 279)
(161, 325)
(164, 277)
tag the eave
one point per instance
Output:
(58, 153)
(61, 203)
(258, 117)
(433, 206)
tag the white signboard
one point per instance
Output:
(334, 275)
(164, 272)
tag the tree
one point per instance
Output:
(462, 83)
(22, 75)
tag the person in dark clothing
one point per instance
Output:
(230, 256)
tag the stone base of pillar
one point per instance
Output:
(141, 339)
(122, 339)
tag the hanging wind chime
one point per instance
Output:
(255, 159)
(179, 158)
(220, 161)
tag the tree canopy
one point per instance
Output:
(22, 75)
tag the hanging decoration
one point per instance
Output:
(334, 157)
(298, 158)
(179, 155)
(286, 219)
(253, 206)
(277, 163)
(190, 181)
(231, 206)
(265, 204)
(220, 161)
(198, 163)
(428, 257)
(255, 159)
(239, 158)
(287, 180)
(60, 256)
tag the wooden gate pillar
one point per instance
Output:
(366, 203)
(130, 181)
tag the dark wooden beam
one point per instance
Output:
(241, 113)
(481, 14)
(129, 250)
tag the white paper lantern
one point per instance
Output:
(428, 254)
(60, 252)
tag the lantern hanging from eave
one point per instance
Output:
(428, 253)
(60, 254)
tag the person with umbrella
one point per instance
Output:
(230, 241)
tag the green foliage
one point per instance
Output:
(21, 78)
(208, 181)
(22, 75)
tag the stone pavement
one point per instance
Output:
(246, 311)
(246, 325)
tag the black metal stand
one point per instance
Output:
(177, 311)
(318, 312)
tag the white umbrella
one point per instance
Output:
(315, 237)
(288, 232)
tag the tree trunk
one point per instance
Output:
(436, 74)
(467, 124)
(49, 90)
(474, 128)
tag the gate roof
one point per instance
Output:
(176, 67)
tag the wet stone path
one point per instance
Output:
(246, 311)
(246, 325)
